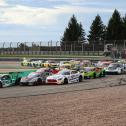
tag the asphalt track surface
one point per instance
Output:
(89, 84)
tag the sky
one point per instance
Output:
(45, 20)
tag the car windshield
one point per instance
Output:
(114, 65)
(88, 69)
(65, 66)
(63, 72)
(103, 64)
(64, 62)
(32, 75)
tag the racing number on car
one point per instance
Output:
(72, 76)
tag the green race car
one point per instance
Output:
(93, 72)
(12, 78)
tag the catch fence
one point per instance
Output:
(115, 48)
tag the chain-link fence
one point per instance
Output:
(114, 48)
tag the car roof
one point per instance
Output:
(35, 73)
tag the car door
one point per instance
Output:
(67, 75)
(74, 76)
(97, 71)
(124, 67)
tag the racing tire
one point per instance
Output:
(17, 82)
(34, 65)
(80, 78)
(65, 81)
(100, 75)
(119, 72)
(94, 75)
(28, 64)
(104, 73)
(1, 86)
(39, 81)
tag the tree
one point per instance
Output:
(35, 47)
(73, 35)
(97, 31)
(81, 33)
(115, 28)
(23, 47)
(124, 27)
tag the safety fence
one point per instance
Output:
(114, 48)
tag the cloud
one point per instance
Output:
(3, 3)
(27, 15)
(78, 9)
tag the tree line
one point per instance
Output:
(75, 36)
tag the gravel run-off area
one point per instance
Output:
(97, 107)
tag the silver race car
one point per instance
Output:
(36, 78)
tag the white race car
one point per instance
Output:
(115, 68)
(64, 77)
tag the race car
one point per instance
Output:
(50, 63)
(65, 77)
(86, 63)
(36, 63)
(104, 64)
(66, 65)
(12, 78)
(25, 62)
(36, 78)
(115, 68)
(92, 72)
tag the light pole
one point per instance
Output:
(50, 44)
(24, 47)
(40, 47)
(71, 47)
(32, 47)
(82, 47)
(17, 45)
(56, 46)
(3, 47)
(10, 47)
(60, 47)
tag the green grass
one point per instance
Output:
(90, 57)
(47, 56)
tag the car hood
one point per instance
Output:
(55, 76)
